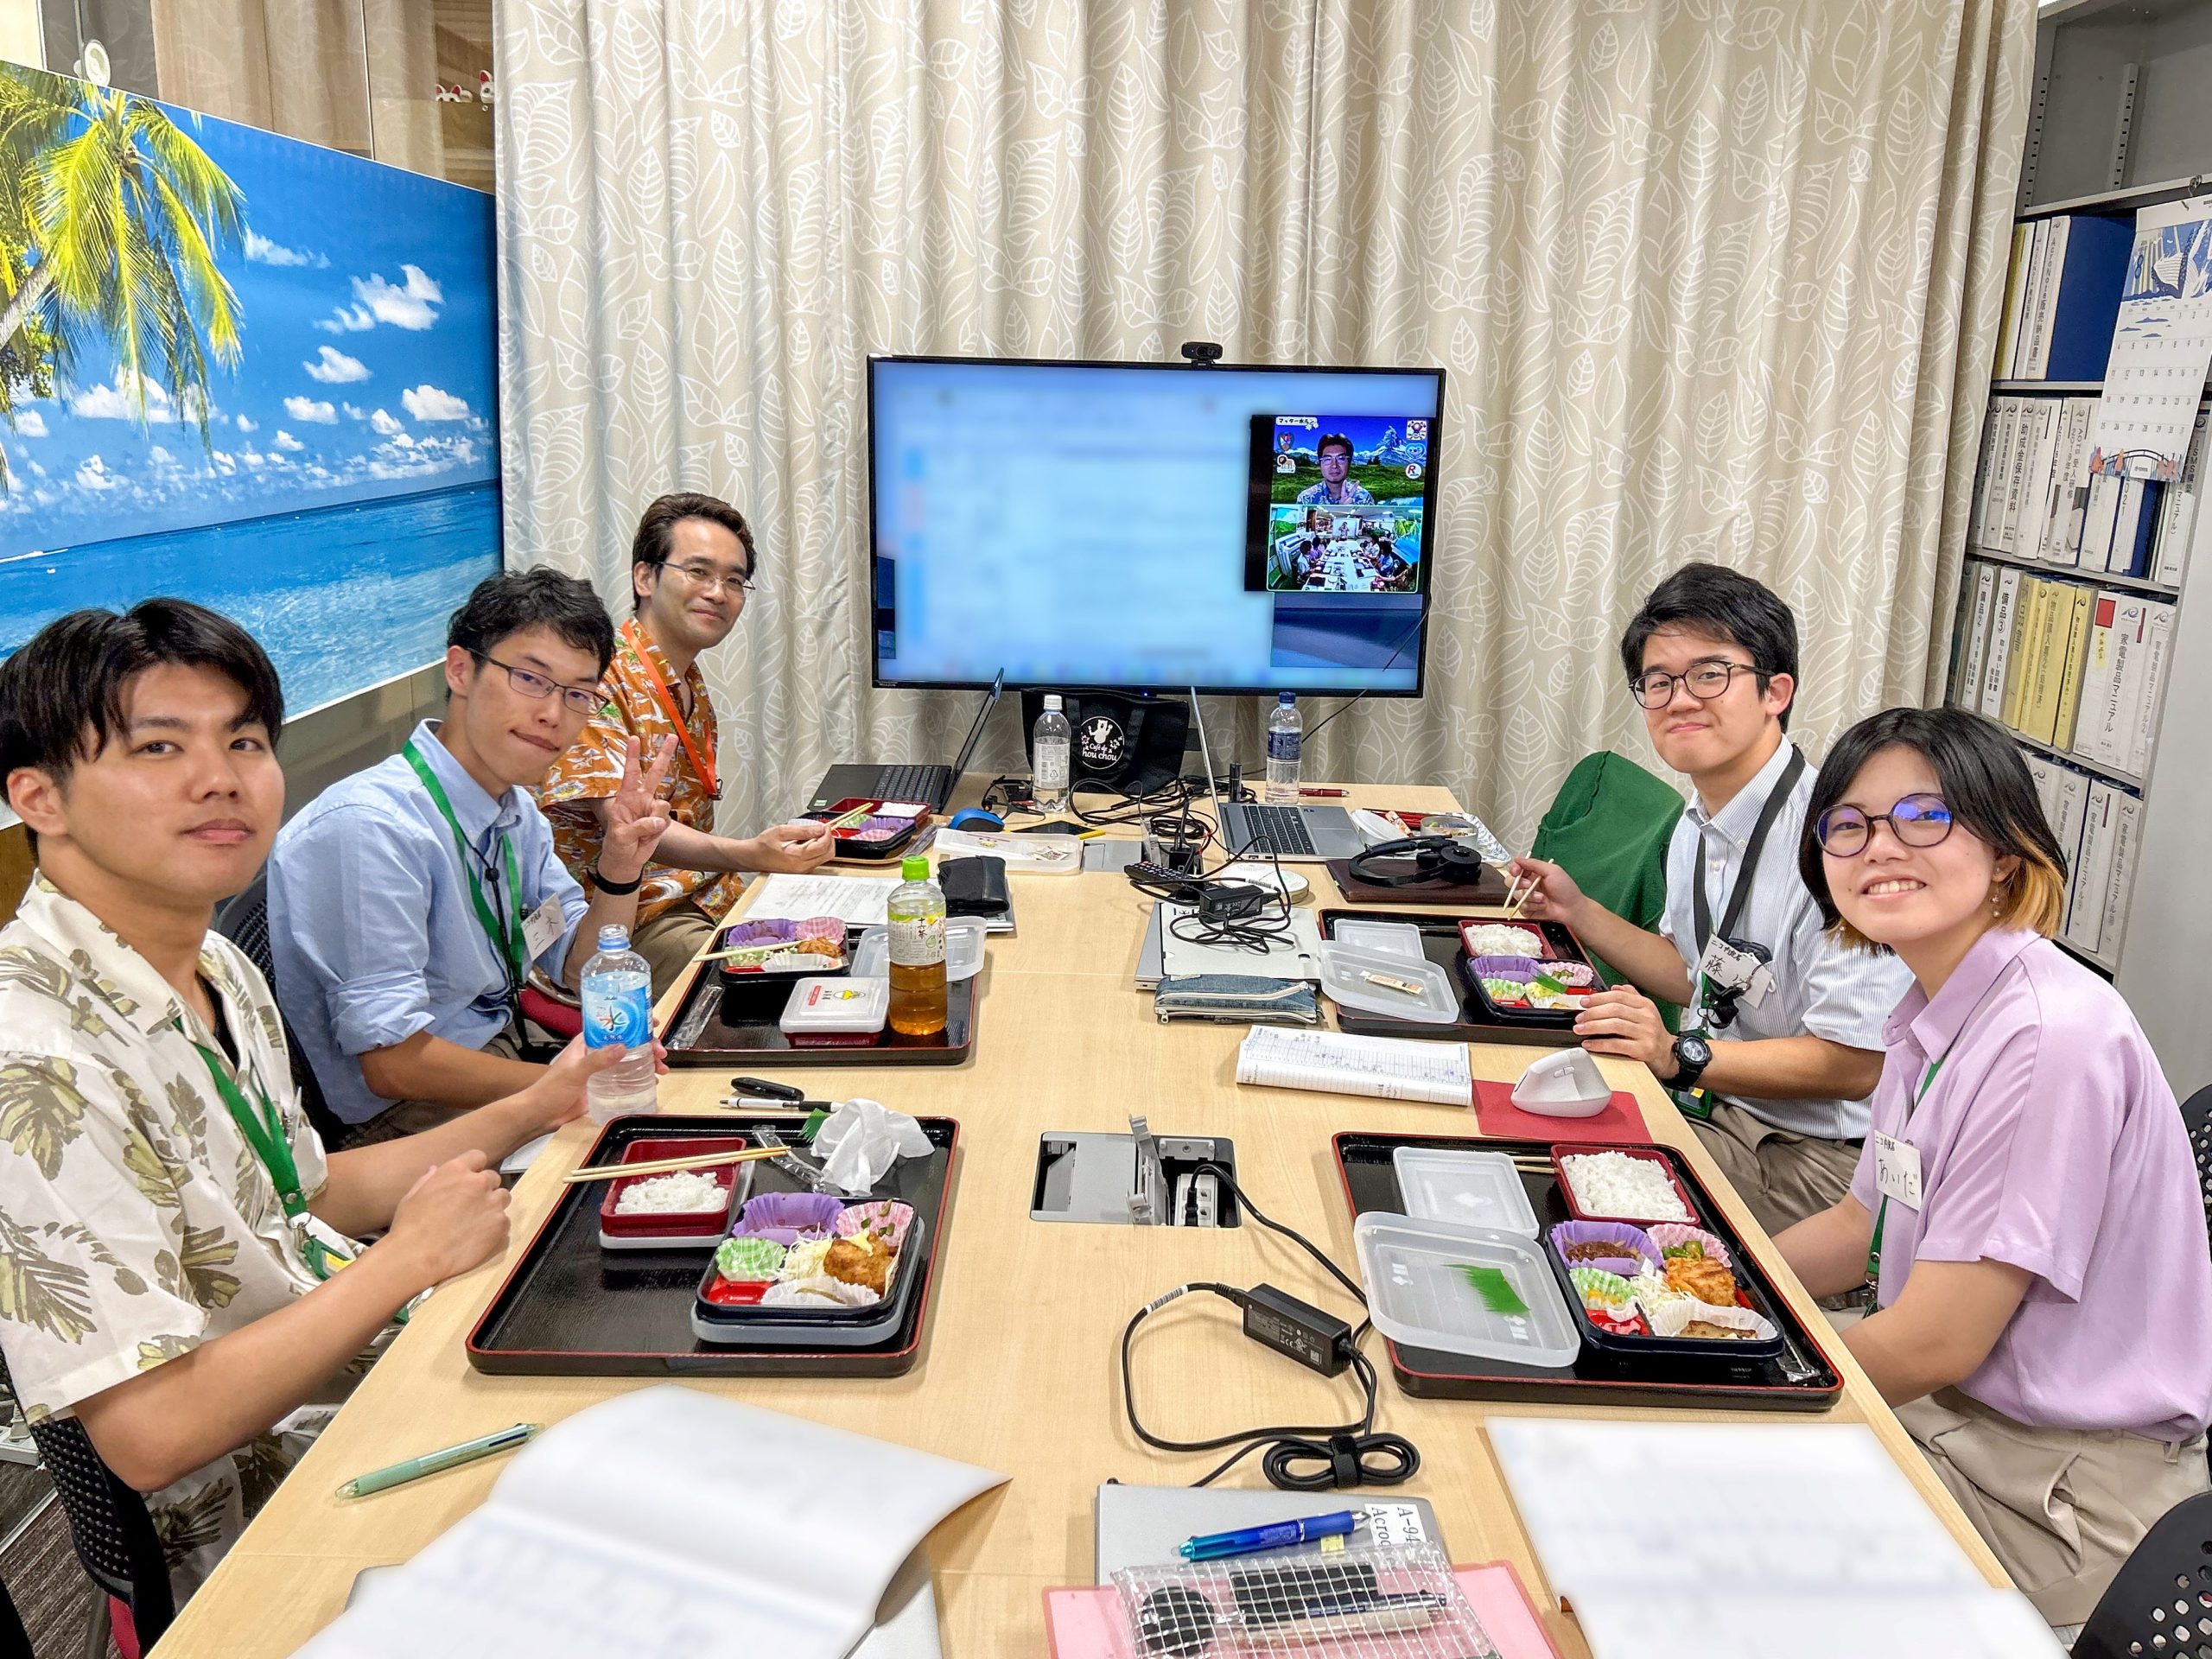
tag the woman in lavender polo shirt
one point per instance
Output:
(2027, 1202)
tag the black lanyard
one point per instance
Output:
(1701, 908)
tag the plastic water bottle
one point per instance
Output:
(1286, 735)
(617, 997)
(1049, 745)
(915, 912)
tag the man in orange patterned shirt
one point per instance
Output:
(690, 566)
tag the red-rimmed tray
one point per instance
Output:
(1802, 1379)
(570, 1308)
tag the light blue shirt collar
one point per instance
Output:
(480, 815)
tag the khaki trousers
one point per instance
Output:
(405, 1118)
(671, 940)
(2061, 1508)
(1782, 1178)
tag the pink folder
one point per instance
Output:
(1088, 1623)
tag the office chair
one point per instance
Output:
(244, 921)
(2160, 1602)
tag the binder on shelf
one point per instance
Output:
(2044, 773)
(2024, 693)
(2043, 458)
(2157, 648)
(1978, 514)
(2133, 526)
(2073, 811)
(2106, 738)
(1965, 681)
(2035, 358)
(2019, 437)
(2080, 607)
(2119, 885)
(2099, 515)
(2001, 628)
(2031, 301)
(2085, 271)
(2085, 905)
(2078, 475)
(2058, 482)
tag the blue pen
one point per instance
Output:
(1280, 1534)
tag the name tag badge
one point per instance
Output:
(1897, 1170)
(1730, 968)
(543, 926)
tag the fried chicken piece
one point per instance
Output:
(855, 1262)
(1703, 1277)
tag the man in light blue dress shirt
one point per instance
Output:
(408, 902)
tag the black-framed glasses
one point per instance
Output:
(1917, 820)
(706, 578)
(577, 698)
(1655, 688)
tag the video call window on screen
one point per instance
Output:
(1345, 501)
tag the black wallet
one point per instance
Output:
(975, 886)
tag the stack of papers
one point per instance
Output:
(1713, 1540)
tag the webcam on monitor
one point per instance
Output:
(1201, 354)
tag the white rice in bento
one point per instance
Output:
(1614, 1184)
(1496, 939)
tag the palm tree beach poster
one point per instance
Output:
(242, 370)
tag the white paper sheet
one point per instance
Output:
(665, 1524)
(856, 900)
(2162, 345)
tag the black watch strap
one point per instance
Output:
(613, 888)
(1685, 1074)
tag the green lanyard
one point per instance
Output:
(264, 1131)
(506, 942)
(1882, 1211)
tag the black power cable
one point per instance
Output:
(1351, 1454)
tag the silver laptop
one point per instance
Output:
(1294, 834)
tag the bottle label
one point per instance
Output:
(621, 1017)
(1284, 745)
(1051, 767)
(916, 941)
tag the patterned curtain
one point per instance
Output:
(1709, 281)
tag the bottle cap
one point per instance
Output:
(916, 868)
(1285, 698)
(1052, 699)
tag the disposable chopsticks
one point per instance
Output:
(671, 1166)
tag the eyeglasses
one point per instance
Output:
(705, 579)
(1706, 680)
(1917, 820)
(576, 699)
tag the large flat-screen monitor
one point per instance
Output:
(1152, 525)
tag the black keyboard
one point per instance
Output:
(913, 784)
(1282, 829)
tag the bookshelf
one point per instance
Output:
(2119, 120)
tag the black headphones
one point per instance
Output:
(1443, 860)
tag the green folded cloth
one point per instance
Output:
(1608, 828)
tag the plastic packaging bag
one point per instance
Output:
(860, 1142)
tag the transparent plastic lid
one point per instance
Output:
(1463, 1290)
(963, 950)
(1375, 983)
(837, 1004)
(1382, 938)
(1470, 1189)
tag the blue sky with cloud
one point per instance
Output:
(368, 367)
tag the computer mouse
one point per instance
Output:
(973, 817)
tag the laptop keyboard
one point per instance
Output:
(909, 782)
(1281, 828)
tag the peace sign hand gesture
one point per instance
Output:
(636, 815)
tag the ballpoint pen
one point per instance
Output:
(1247, 1541)
(431, 1463)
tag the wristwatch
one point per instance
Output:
(1692, 1055)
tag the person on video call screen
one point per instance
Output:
(1336, 486)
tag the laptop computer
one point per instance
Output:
(932, 784)
(1294, 834)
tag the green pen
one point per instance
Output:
(431, 1463)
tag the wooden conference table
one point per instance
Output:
(1019, 1367)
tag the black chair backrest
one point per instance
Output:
(2160, 1604)
(108, 1523)
(2196, 1118)
(244, 921)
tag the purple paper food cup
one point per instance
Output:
(787, 1217)
(1520, 969)
(1627, 1241)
